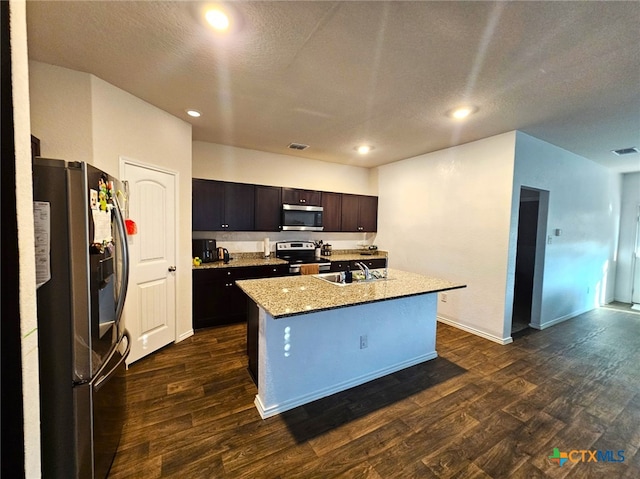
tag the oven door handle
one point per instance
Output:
(294, 269)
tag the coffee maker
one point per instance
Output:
(205, 249)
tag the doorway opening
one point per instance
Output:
(527, 294)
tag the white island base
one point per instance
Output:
(309, 356)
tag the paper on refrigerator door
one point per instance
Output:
(42, 230)
(102, 226)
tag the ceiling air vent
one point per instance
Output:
(625, 151)
(298, 146)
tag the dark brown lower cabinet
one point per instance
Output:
(216, 298)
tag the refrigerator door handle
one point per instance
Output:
(122, 232)
(106, 376)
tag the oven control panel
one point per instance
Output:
(295, 246)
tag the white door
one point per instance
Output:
(150, 308)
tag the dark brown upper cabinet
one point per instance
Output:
(293, 196)
(207, 205)
(222, 206)
(359, 213)
(268, 208)
(332, 211)
(225, 206)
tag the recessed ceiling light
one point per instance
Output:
(364, 149)
(193, 113)
(218, 19)
(462, 112)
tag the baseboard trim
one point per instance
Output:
(561, 319)
(475, 331)
(266, 412)
(185, 335)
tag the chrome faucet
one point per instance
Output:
(363, 267)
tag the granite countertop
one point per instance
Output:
(239, 262)
(354, 255)
(257, 259)
(293, 295)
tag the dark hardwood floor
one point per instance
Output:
(480, 410)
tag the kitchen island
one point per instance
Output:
(308, 338)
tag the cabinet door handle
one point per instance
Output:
(172, 269)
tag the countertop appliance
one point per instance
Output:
(223, 255)
(301, 218)
(298, 253)
(82, 270)
(205, 249)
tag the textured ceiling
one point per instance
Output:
(336, 74)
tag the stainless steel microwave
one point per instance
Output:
(301, 218)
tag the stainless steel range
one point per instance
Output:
(298, 253)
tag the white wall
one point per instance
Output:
(83, 118)
(584, 202)
(628, 227)
(124, 125)
(61, 116)
(447, 214)
(24, 211)
(227, 163)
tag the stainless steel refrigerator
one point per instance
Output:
(82, 272)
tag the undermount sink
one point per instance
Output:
(358, 277)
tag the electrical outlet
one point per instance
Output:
(443, 297)
(364, 342)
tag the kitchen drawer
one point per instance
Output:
(340, 265)
(369, 263)
(254, 272)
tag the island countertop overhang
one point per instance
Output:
(295, 295)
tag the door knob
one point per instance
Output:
(172, 269)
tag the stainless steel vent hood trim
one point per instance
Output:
(301, 208)
(302, 228)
